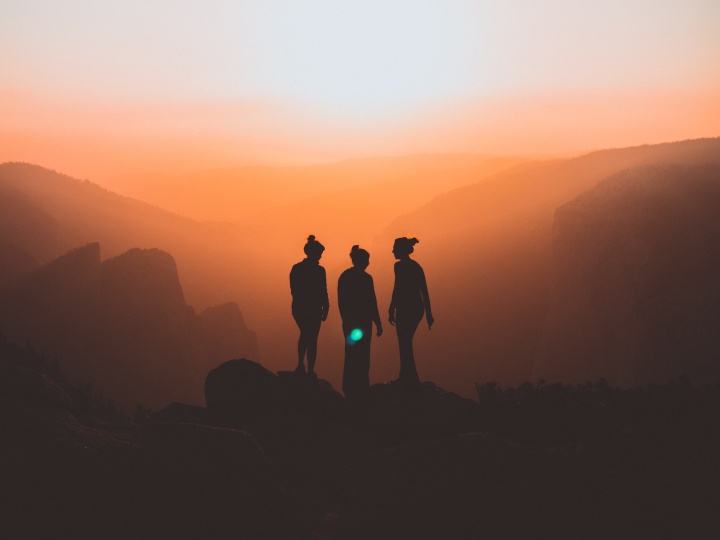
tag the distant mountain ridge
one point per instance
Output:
(486, 249)
(232, 194)
(122, 324)
(49, 213)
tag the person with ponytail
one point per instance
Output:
(358, 309)
(310, 305)
(410, 300)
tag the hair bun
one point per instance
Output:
(355, 249)
(311, 238)
(414, 241)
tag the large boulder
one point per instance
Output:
(238, 386)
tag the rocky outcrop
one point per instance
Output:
(560, 462)
(25, 223)
(49, 305)
(144, 277)
(240, 385)
(122, 324)
(636, 295)
(242, 388)
(66, 474)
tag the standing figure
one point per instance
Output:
(358, 309)
(310, 304)
(410, 300)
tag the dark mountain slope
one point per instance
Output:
(53, 213)
(14, 262)
(122, 324)
(636, 295)
(26, 224)
(486, 250)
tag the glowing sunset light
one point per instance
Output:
(360, 58)
(188, 85)
(222, 223)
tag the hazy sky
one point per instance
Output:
(306, 79)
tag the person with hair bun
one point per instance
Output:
(358, 309)
(310, 305)
(410, 300)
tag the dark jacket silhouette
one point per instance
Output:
(410, 301)
(310, 305)
(358, 308)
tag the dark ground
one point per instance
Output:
(283, 456)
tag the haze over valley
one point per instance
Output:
(489, 242)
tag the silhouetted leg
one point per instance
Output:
(364, 360)
(356, 368)
(406, 327)
(312, 333)
(301, 349)
(348, 364)
(302, 345)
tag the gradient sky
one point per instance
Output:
(177, 85)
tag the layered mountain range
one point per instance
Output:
(123, 325)
(530, 269)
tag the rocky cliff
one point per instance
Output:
(123, 324)
(636, 292)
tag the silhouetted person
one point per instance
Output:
(410, 300)
(310, 304)
(358, 309)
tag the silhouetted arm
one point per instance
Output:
(293, 282)
(426, 298)
(325, 300)
(375, 312)
(342, 296)
(393, 301)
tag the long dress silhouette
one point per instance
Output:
(310, 305)
(358, 308)
(410, 300)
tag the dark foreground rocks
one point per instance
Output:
(69, 475)
(285, 456)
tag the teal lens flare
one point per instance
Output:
(354, 336)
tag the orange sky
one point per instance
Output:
(99, 91)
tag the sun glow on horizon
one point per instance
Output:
(187, 85)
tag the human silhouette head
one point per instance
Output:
(404, 246)
(359, 257)
(313, 249)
